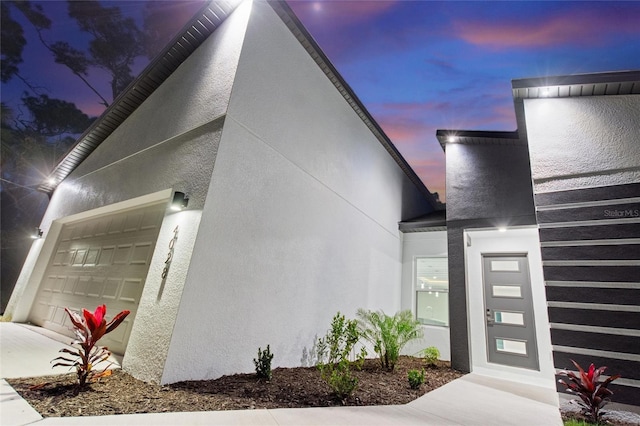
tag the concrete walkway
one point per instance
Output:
(470, 400)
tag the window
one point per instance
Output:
(432, 291)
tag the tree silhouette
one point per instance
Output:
(116, 42)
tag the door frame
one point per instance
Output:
(517, 240)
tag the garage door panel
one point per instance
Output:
(121, 256)
(111, 287)
(96, 287)
(70, 284)
(151, 220)
(106, 255)
(115, 227)
(132, 222)
(98, 261)
(141, 253)
(131, 288)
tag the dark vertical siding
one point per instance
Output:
(590, 242)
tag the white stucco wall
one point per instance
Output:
(583, 142)
(516, 240)
(169, 143)
(301, 219)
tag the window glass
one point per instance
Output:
(432, 291)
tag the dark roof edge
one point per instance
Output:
(284, 11)
(566, 80)
(477, 137)
(188, 39)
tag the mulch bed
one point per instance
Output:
(120, 393)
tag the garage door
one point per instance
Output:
(97, 261)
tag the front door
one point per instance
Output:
(511, 338)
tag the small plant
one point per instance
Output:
(431, 356)
(585, 385)
(263, 363)
(388, 335)
(333, 356)
(416, 378)
(88, 328)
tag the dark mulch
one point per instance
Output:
(290, 387)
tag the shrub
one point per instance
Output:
(593, 394)
(416, 378)
(431, 355)
(88, 328)
(333, 356)
(388, 335)
(263, 363)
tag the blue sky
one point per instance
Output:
(419, 66)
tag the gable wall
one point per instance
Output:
(301, 219)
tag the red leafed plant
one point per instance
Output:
(89, 328)
(594, 394)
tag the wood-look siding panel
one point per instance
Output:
(608, 212)
(623, 274)
(576, 233)
(597, 252)
(612, 296)
(588, 194)
(621, 394)
(628, 369)
(599, 341)
(628, 320)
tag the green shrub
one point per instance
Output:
(388, 335)
(263, 363)
(431, 355)
(416, 378)
(333, 356)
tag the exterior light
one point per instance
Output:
(545, 91)
(452, 138)
(52, 181)
(180, 201)
(37, 233)
(502, 229)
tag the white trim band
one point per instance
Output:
(594, 306)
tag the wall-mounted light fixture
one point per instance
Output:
(37, 233)
(180, 201)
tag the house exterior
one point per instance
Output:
(300, 206)
(559, 201)
(294, 198)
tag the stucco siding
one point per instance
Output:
(596, 143)
(301, 219)
(489, 182)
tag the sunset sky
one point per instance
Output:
(419, 66)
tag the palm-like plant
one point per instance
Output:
(89, 328)
(388, 335)
(594, 394)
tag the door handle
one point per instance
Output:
(490, 319)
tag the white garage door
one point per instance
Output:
(96, 261)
